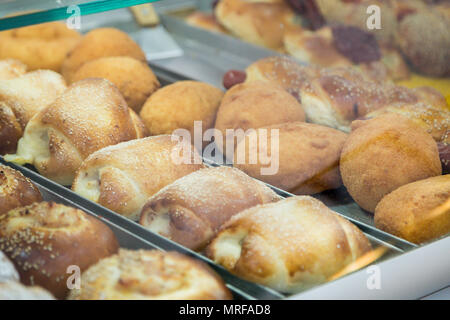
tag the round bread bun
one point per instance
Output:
(178, 105)
(45, 238)
(99, 43)
(16, 190)
(417, 212)
(424, 39)
(289, 245)
(134, 78)
(7, 270)
(42, 46)
(435, 120)
(11, 68)
(16, 291)
(205, 21)
(253, 105)
(259, 22)
(150, 275)
(191, 210)
(306, 156)
(384, 153)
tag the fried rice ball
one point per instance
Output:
(42, 46)
(99, 43)
(180, 104)
(385, 153)
(134, 78)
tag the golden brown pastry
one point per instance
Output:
(289, 245)
(90, 115)
(42, 46)
(424, 38)
(191, 210)
(304, 158)
(7, 270)
(99, 43)
(354, 13)
(122, 177)
(417, 212)
(20, 99)
(11, 68)
(45, 238)
(178, 105)
(16, 190)
(150, 275)
(134, 78)
(16, 291)
(259, 22)
(434, 119)
(254, 105)
(205, 21)
(382, 154)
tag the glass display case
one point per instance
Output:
(177, 48)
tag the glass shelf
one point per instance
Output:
(20, 13)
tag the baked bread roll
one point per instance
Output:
(45, 238)
(42, 46)
(259, 22)
(99, 43)
(304, 159)
(122, 177)
(134, 78)
(382, 154)
(7, 270)
(20, 99)
(434, 119)
(150, 275)
(205, 21)
(191, 210)
(90, 115)
(16, 291)
(289, 245)
(424, 38)
(16, 190)
(254, 105)
(178, 105)
(417, 212)
(444, 154)
(11, 68)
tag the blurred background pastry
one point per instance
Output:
(99, 43)
(13, 290)
(191, 210)
(206, 21)
(290, 245)
(45, 238)
(417, 212)
(134, 78)
(42, 46)
(149, 275)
